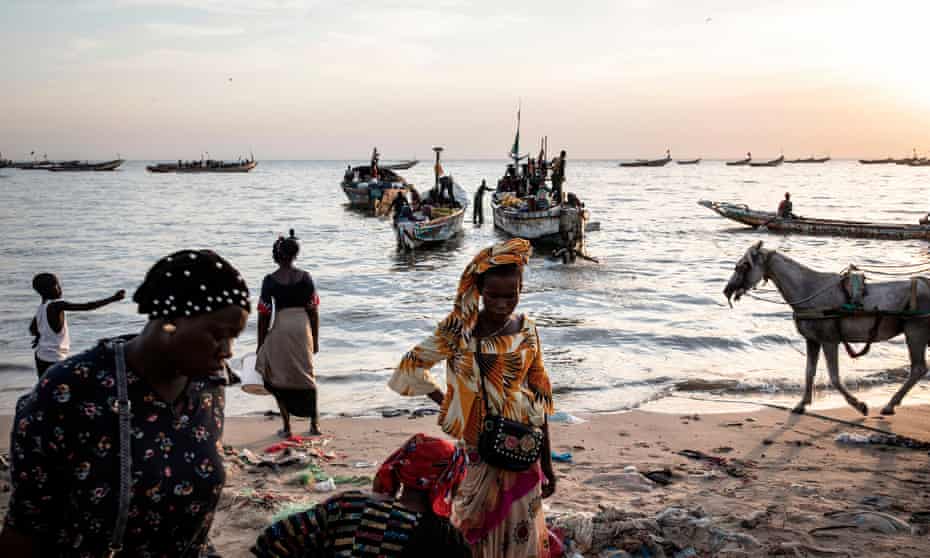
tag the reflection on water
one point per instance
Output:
(651, 314)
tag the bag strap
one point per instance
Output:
(125, 450)
(484, 390)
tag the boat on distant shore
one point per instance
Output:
(809, 160)
(436, 218)
(741, 162)
(74, 166)
(650, 162)
(772, 163)
(876, 161)
(689, 161)
(855, 229)
(202, 166)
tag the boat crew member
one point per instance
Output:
(374, 163)
(477, 217)
(558, 177)
(49, 327)
(785, 208)
(445, 190)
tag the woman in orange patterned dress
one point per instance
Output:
(498, 511)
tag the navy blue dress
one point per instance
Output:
(65, 462)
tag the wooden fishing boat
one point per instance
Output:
(803, 225)
(649, 162)
(809, 160)
(876, 161)
(208, 166)
(39, 165)
(79, 167)
(445, 221)
(772, 163)
(920, 163)
(741, 162)
(689, 161)
(906, 160)
(363, 190)
(551, 216)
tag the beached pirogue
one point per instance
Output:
(365, 188)
(525, 207)
(438, 217)
(803, 225)
(202, 166)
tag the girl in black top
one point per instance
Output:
(286, 348)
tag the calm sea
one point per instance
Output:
(615, 334)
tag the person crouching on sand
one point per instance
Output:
(494, 369)
(49, 327)
(151, 404)
(405, 517)
(286, 348)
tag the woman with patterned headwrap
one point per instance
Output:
(499, 511)
(66, 447)
(404, 517)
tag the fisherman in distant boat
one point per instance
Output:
(558, 177)
(374, 163)
(785, 208)
(477, 217)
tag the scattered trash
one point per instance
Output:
(801, 549)
(870, 521)
(630, 479)
(562, 457)
(424, 411)
(562, 416)
(329, 485)
(753, 520)
(363, 464)
(877, 502)
(733, 467)
(661, 477)
(723, 449)
(880, 439)
(391, 413)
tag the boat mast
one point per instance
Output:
(515, 150)
(437, 168)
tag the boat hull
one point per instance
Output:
(175, 169)
(853, 229)
(689, 162)
(84, 167)
(412, 235)
(652, 163)
(360, 195)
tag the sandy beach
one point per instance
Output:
(777, 479)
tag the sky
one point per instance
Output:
(288, 79)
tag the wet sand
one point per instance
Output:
(782, 474)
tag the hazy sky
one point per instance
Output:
(327, 80)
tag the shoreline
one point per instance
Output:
(791, 472)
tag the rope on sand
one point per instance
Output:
(903, 441)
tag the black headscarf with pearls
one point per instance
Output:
(189, 283)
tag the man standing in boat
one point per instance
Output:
(785, 208)
(477, 217)
(374, 163)
(558, 177)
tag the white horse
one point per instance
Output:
(891, 308)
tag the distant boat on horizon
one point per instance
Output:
(204, 166)
(741, 162)
(649, 162)
(772, 163)
(809, 160)
(885, 161)
(689, 161)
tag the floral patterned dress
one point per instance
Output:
(499, 512)
(65, 462)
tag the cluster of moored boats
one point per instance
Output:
(528, 202)
(198, 166)
(747, 161)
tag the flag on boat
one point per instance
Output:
(515, 150)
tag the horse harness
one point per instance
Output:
(853, 283)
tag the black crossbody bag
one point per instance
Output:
(504, 443)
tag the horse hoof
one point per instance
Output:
(799, 410)
(863, 408)
(889, 410)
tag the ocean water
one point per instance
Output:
(615, 334)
